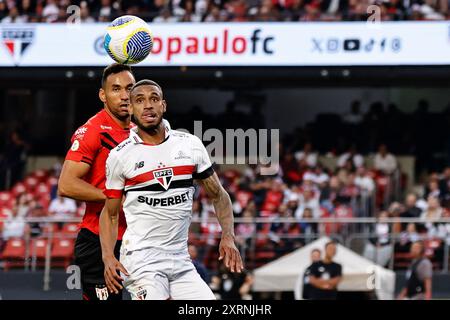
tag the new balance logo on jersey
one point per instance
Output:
(138, 165)
(164, 202)
(164, 177)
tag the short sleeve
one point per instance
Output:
(85, 145)
(203, 166)
(115, 180)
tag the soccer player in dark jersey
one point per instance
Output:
(83, 175)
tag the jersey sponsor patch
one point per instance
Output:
(75, 145)
(164, 177)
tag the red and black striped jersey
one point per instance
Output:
(91, 143)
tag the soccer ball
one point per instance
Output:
(128, 40)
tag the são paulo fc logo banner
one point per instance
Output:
(236, 44)
(16, 41)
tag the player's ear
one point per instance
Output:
(164, 105)
(102, 95)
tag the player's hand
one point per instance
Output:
(230, 254)
(112, 278)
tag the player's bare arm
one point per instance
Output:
(109, 225)
(72, 185)
(223, 207)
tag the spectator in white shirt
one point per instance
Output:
(355, 116)
(14, 227)
(14, 17)
(385, 161)
(165, 16)
(364, 181)
(51, 11)
(308, 200)
(62, 208)
(357, 159)
(308, 155)
(431, 214)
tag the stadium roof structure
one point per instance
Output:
(359, 273)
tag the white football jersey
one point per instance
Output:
(157, 181)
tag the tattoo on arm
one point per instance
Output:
(222, 203)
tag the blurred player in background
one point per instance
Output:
(83, 174)
(155, 168)
(419, 275)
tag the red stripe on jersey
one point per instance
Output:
(113, 194)
(148, 176)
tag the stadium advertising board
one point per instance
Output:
(237, 44)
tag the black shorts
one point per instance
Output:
(88, 256)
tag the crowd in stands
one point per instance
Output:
(13, 11)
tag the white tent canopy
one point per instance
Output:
(359, 273)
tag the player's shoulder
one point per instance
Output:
(123, 147)
(186, 136)
(94, 123)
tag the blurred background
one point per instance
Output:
(358, 90)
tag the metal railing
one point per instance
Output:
(344, 236)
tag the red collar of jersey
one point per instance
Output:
(109, 120)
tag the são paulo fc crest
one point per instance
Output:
(164, 177)
(16, 40)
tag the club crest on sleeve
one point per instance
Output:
(164, 177)
(75, 145)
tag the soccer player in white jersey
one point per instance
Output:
(153, 170)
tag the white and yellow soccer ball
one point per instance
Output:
(128, 40)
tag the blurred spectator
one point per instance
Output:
(232, 286)
(14, 227)
(15, 158)
(431, 214)
(407, 237)
(51, 11)
(379, 249)
(165, 16)
(62, 208)
(355, 158)
(308, 155)
(385, 161)
(410, 210)
(200, 267)
(14, 16)
(364, 181)
(355, 116)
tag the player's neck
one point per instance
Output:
(327, 260)
(155, 136)
(123, 123)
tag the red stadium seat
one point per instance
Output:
(38, 251)
(31, 183)
(62, 252)
(70, 229)
(18, 188)
(14, 253)
(40, 175)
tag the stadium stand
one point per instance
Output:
(160, 11)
